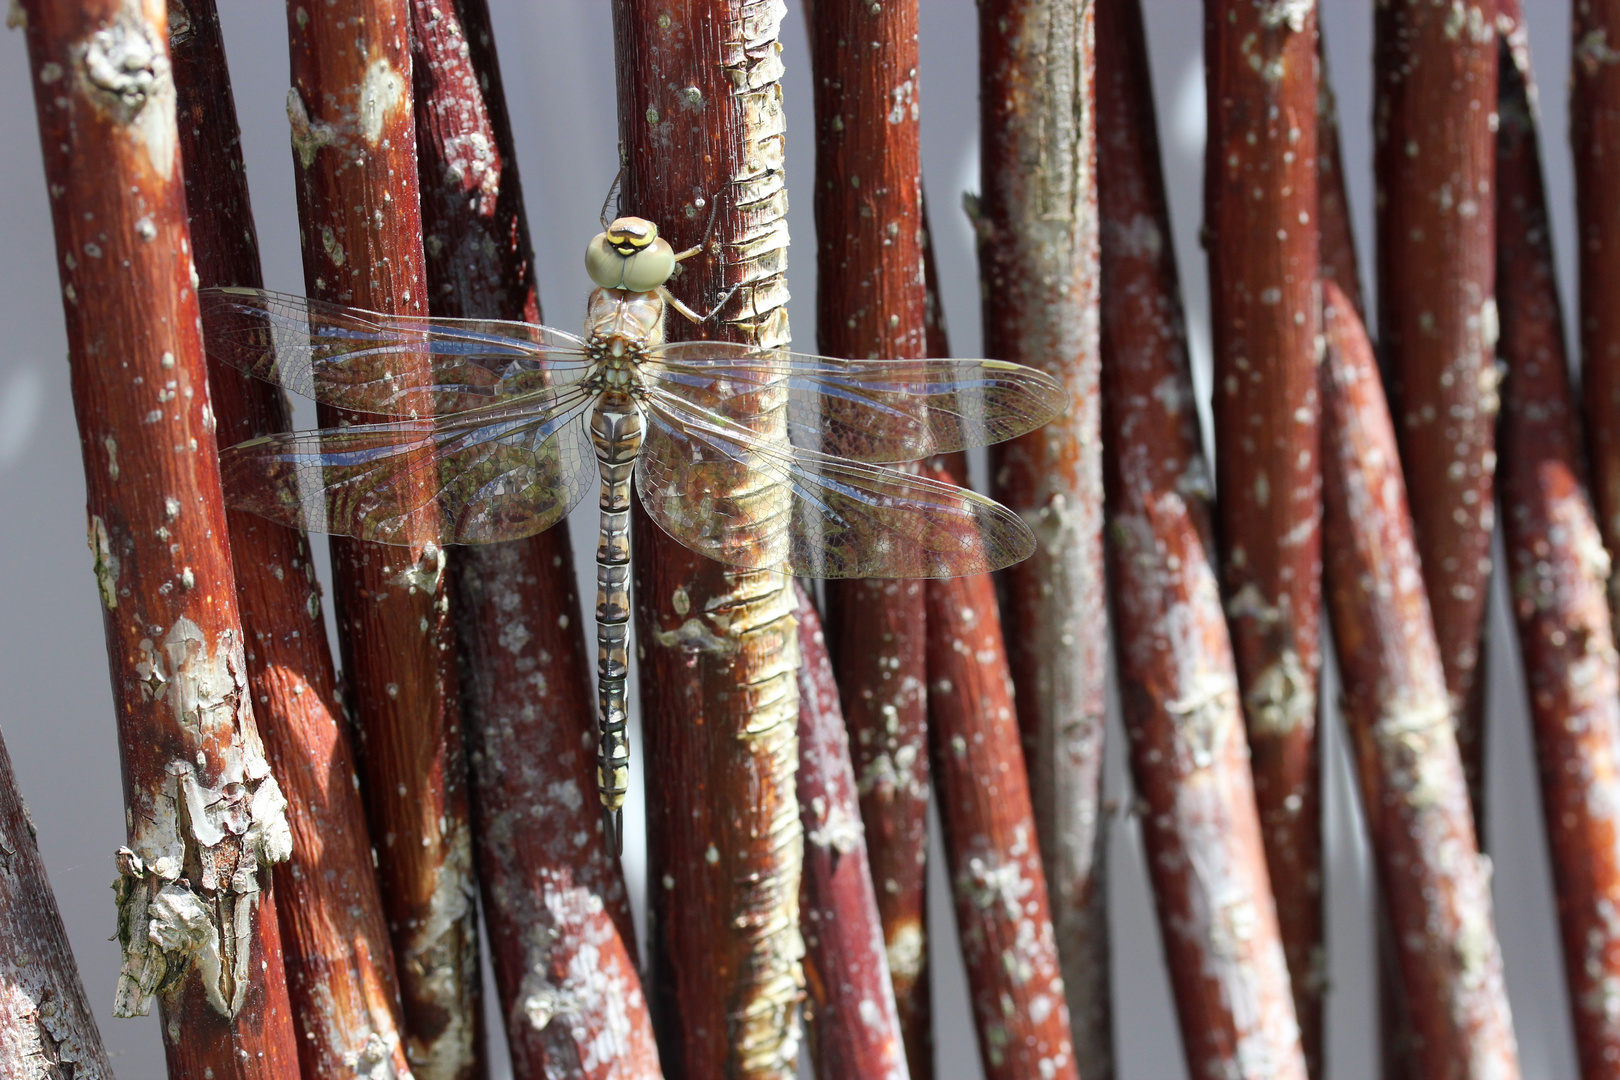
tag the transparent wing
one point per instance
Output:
(726, 493)
(494, 474)
(368, 362)
(867, 410)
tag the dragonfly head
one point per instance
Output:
(630, 255)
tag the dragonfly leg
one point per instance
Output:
(673, 301)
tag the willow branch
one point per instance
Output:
(855, 1029)
(561, 938)
(354, 156)
(1435, 158)
(1559, 570)
(718, 692)
(205, 818)
(1037, 233)
(1189, 753)
(340, 968)
(871, 302)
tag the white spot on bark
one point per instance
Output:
(106, 562)
(126, 73)
(382, 93)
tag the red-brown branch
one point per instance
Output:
(1436, 888)
(1189, 753)
(1260, 195)
(46, 1027)
(1015, 983)
(354, 151)
(561, 938)
(196, 917)
(1434, 153)
(1037, 232)
(871, 302)
(1559, 571)
(1595, 140)
(855, 1029)
(700, 118)
(340, 968)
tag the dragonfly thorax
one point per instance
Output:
(620, 327)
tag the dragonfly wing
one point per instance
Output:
(494, 474)
(392, 365)
(866, 410)
(746, 501)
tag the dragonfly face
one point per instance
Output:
(482, 436)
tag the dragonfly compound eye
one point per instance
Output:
(615, 264)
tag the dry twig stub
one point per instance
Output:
(1595, 140)
(1008, 945)
(700, 117)
(871, 302)
(1558, 571)
(1435, 886)
(354, 156)
(855, 1030)
(1189, 753)
(1037, 236)
(1434, 152)
(561, 938)
(340, 967)
(1260, 197)
(46, 1027)
(206, 820)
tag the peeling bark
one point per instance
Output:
(1558, 570)
(1259, 195)
(871, 302)
(206, 820)
(700, 115)
(1435, 81)
(1008, 942)
(1595, 139)
(47, 1031)
(340, 970)
(1037, 236)
(1435, 886)
(561, 937)
(355, 163)
(855, 1029)
(1179, 690)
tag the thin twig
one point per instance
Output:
(1037, 233)
(1260, 194)
(1178, 682)
(354, 143)
(855, 1031)
(871, 302)
(340, 967)
(718, 690)
(1559, 570)
(561, 939)
(196, 917)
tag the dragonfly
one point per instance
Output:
(486, 431)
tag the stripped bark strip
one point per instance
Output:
(206, 820)
(855, 1029)
(1008, 944)
(46, 1027)
(1435, 885)
(1335, 235)
(872, 303)
(1037, 236)
(1189, 753)
(718, 691)
(561, 938)
(1260, 196)
(354, 151)
(1559, 570)
(1435, 85)
(340, 968)
(1595, 140)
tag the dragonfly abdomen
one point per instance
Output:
(616, 435)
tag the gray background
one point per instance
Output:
(55, 706)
